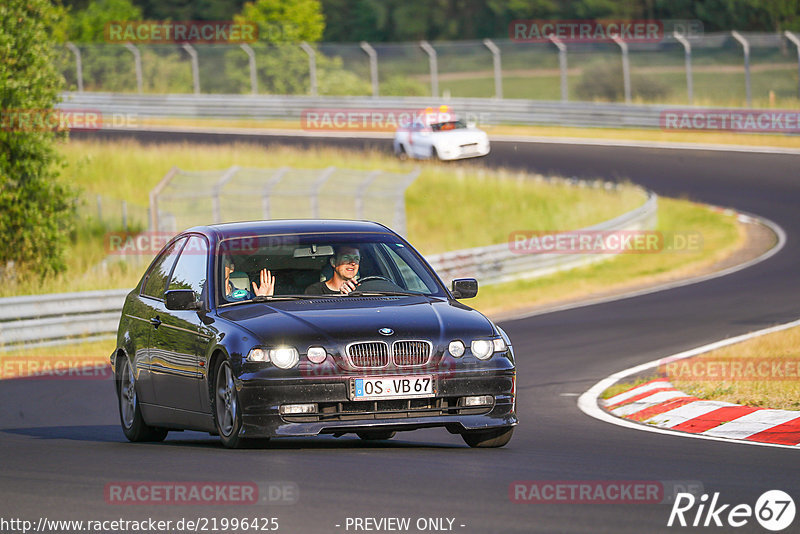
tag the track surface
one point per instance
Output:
(60, 441)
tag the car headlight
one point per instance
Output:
(456, 348)
(283, 357)
(482, 348)
(258, 355)
(499, 344)
(316, 354)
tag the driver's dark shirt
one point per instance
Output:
(320, 288)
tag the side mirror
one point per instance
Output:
(465, 288)
(181, 299)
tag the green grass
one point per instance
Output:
(720, 233)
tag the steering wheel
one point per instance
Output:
(374, 277)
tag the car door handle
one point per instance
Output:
(155, 321)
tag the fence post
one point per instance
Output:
(626, 68)
(78, 65)
(793, 38)
(432, 61)
(562, 65)
(323, 177)
(362, 189)
(373, 66)
(746, 49)
(252, 60)
(137, 61)
(154, 197)
(498, 67)
(267, 190)
(224, 179)
(195, 67)
(312, 66)
(687, 50)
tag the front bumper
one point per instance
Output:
(261, 400)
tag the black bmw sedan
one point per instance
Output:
(300, 328)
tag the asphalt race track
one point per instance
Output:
(60, 441)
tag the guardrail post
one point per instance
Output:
(687, 51)
(746, 49)
(224, 179)
(793, 38)
(195, 67)
(323, 177)
(252, 60)
(562, 65)
(137, 62)
(78, 65)
(373, 66)
(312, 66)
(154, 197)
(498, 68)
(434, 66)
(626, 68)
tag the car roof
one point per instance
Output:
(288, 226)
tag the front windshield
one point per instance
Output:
(277, 267)
(445, 126)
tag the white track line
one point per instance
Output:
(588, 402)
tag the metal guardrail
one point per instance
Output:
(47, 318)
(484, 111)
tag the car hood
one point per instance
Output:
(337, 321)
(464, 135)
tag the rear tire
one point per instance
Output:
(401, 153)
(130, 414)
(496, 437)
(376, 435)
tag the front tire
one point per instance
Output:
(225, 406)
(130, 413)
(496, 437)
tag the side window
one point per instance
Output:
(190, 271)
(156, 281)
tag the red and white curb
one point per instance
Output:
(656, 406)
(659, 404)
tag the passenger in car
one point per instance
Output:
(345, 268)
(233, 291)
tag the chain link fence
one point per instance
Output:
(722, 69)
(190, 198)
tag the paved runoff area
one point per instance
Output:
(659, 404)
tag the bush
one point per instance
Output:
(604, 81)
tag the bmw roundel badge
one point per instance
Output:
(386, 331)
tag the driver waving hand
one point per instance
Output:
(345, 268)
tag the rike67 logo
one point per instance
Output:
(774, 510)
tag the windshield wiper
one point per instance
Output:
(265, 298)
(372, 293)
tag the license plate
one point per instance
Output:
(394, 387)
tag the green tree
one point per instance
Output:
(36, 211)
(285, 21)
(88, 25)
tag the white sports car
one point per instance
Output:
(447, 140)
